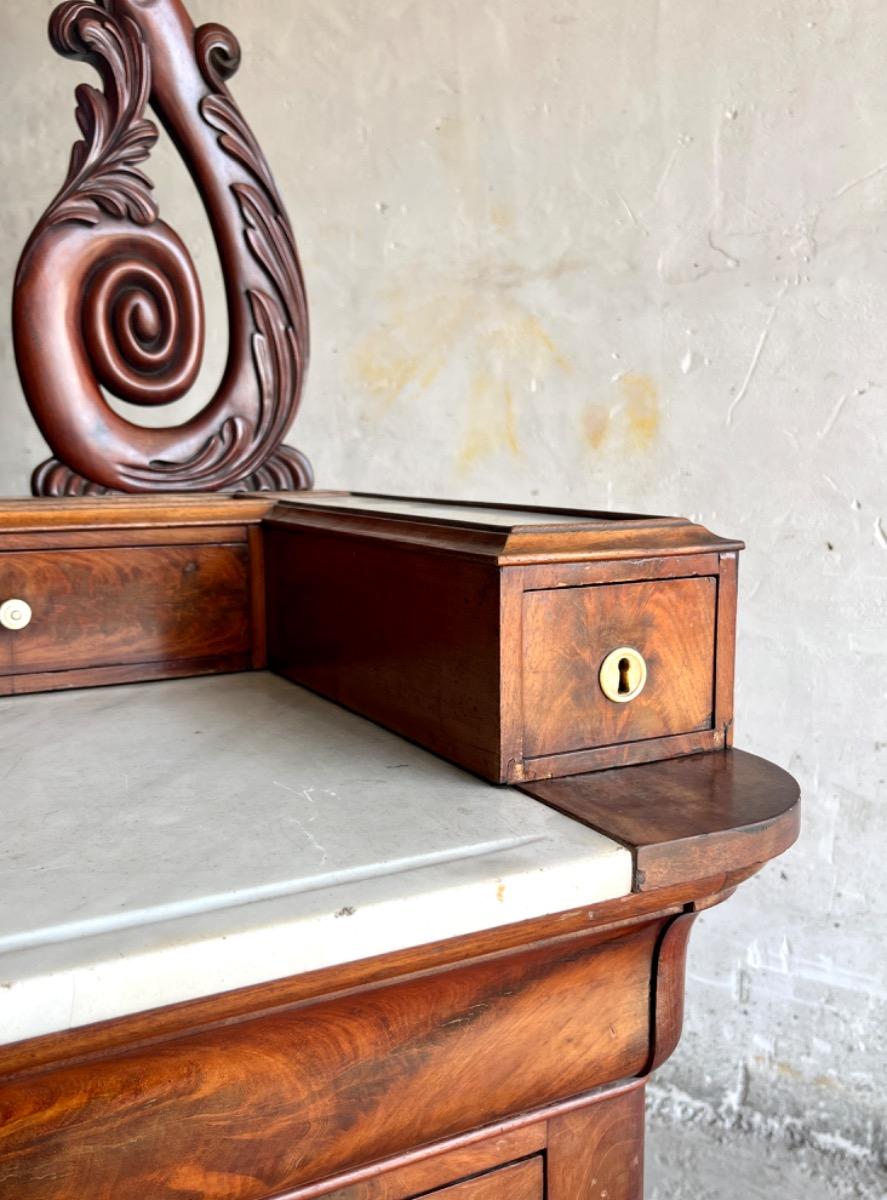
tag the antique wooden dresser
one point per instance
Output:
(255, 946)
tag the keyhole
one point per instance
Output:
(623, 674)
(624, 683)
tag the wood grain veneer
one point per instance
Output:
(569, 631)
(124, 589)
(482, 638)
(96, 608)
(595, 1153)
(305, 1092)
(689, 816)
(436, 1170)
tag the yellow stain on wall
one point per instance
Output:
(519, 336)
(501, 216)
(596, 425)
(492, 424)
(634, 416)
(410, 349)
(510, 423)
(641, 408)
(513, 347)
(469, 327)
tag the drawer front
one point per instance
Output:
(519, 1181)
(567, 634)
(103, 607)
(307, 1091)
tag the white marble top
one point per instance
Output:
(491, 515)
(164, 841)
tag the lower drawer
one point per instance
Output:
(299, 1092)
(518, 1181)
(106, 607)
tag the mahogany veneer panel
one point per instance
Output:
(105, 607)
(598, 1151)
(377, 629)
(124, 589)
(298, 1094)
(569, 632)
(422, 1176)
(483, 639)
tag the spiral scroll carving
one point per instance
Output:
(107, 298)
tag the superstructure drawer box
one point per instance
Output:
(522, 644)
(118, 589)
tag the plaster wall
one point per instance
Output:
(629, 253)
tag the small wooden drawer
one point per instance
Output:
(100, 612)
(126, 588)
(569, 632)
(492, 635)
(518, 1181)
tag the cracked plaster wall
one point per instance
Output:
(627, 253)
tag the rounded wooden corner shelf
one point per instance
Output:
(686, 818)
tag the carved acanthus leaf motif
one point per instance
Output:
(286, 470)
(54, 478)
(279, 352)
(237, 138)
(102, 174)
(217, 52)
(136, 328)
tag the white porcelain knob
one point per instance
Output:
(15, 614)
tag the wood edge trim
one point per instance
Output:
(667, 992)
(112, 674)
(619, 754)
(97, 1031)
(725, 645)
(69, 517)
(511, 676)
(475, 545)
(97, 540)
(257, 609)
(548, 577)
(515, 547)
(581, 554)
(658, 866)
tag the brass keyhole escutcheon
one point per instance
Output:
(623, 674)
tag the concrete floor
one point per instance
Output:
(692, 1162)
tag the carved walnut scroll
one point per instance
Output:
(106, 294)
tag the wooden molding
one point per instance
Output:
(668, 988)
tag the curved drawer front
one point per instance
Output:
(300, 1094)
